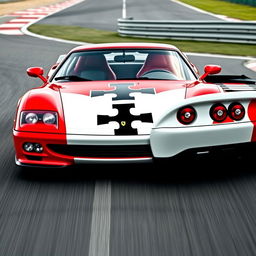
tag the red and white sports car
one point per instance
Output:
(130, 103)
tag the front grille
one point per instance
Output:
(102, 151)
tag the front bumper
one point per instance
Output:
(47, 157)
(169, 142)
(62, 150)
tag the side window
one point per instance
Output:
(182, 71)
(68, 67)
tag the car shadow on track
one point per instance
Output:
(200, 169)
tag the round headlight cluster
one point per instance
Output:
(218, 112)
(235, 111)
(33, 117)
(186, 115)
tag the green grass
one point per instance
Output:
(102, 36)
(239, 11)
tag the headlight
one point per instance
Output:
(186, 115)
(31, 118)
(43, 117)
(49, 118)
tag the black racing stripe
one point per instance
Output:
(124, 117)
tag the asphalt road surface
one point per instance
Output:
(104, 14)
(205, 206)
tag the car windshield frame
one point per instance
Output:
(124, 64)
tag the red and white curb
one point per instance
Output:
(29, 16)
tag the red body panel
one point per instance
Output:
(41, 99)
(48, 157)
(252, 116)
(201, 89)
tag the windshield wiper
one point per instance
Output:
(71, 78)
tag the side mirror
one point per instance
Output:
(37, 72)
(210, 70)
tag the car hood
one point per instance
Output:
(117, 107)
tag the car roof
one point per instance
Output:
(107, 46)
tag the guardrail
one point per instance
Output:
(223, 31)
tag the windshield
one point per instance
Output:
(124, 64)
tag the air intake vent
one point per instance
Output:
(102, 151)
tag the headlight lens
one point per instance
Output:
(31, 118)
(186, 115)
(49, 118)
(43, 117)
(218, 112)
(236, 111)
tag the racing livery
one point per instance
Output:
(130, 103)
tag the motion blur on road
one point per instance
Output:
(204, 206)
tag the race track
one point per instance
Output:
(87, 13)
(201, 207)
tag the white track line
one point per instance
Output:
(14, 32)
(101, 215)
(11, 25)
